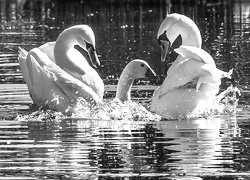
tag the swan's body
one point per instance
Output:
(133, 70)
(193, 80)
(57, 75)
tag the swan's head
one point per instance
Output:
(177, 30)
(133, 70)
(86, 40)
(138, 69)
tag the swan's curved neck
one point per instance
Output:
(66, 56)
(191, 39)
(124, 86)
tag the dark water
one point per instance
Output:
(44, 145)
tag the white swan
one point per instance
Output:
(57, 74)
(193, 80)
(134, 69)
(121, 107)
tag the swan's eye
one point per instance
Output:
(162, 39)
(142, 65)
(90, 46)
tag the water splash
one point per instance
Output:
(116, 110)
(225, 103)
(113, 109)
(107, 110)
(40, 115)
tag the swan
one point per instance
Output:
(57, 74)
(192, 80)
(134, 69)
(121, 107)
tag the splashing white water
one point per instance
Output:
(225, 103)
(116, 110)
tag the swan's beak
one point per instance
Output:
(93, 57)
(164, 50)
(150, 72)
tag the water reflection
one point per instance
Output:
(82, 148)
(203, 143)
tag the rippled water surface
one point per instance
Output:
(130, 142)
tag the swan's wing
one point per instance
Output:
(71, 86)
(74, 88)
(84, 72)
(94, 81)
(38, 56)
(40, 81)
(34, 75)
(182, 74)
(196, 53)
(48, 49)
(22, 57)
(189, 72)
(212, 75)
(53, 80)
(192, 64)
(42, 87)
(64, 82)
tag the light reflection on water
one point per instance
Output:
(49, 146)
(82, 148)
